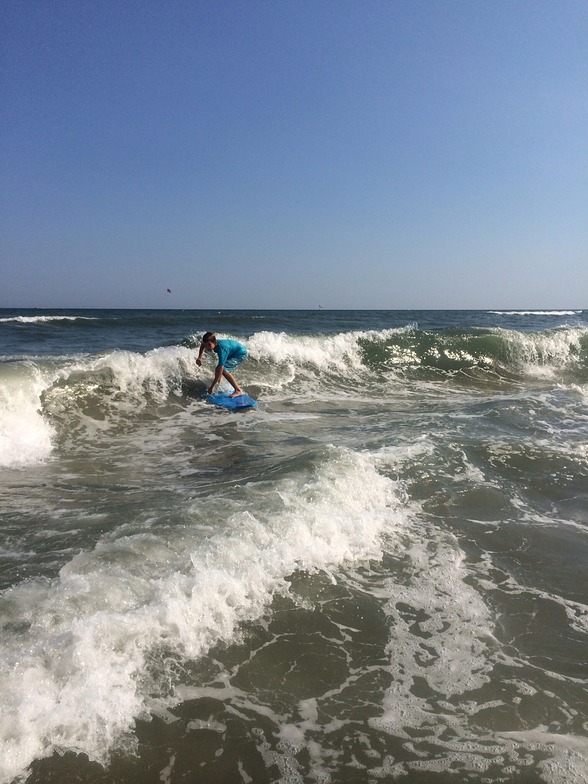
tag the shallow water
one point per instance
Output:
(378, 573)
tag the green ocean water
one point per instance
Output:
(377, 575)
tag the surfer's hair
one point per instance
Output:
(208, 336)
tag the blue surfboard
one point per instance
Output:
(231, 403)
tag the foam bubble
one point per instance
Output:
(437, 606)
(569, 754)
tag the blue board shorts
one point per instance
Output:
(232, 362)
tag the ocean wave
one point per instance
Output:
(402, 351)
(25, 435)
(44, 319)
(81, 678)
(409, 347)
(535, 312)
(42, 402)
(504, 352)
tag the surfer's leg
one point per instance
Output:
(233, 382)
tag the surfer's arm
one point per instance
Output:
(200, 353)
(218, 374)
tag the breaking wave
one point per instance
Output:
(41, 399)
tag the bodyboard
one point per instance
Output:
(231, 403)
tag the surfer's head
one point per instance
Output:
(209, 340)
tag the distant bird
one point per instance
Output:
(169, 291)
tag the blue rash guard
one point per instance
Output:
(230, 353)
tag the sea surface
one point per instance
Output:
(378, 575)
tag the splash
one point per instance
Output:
(26, 437)
(39, 400)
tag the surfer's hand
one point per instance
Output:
(199, 362)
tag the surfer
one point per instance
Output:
(230, 354)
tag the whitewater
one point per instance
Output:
(376, 575)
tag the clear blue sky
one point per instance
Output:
(291, 153)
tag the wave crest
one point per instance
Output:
(43, 319)
(42, 401)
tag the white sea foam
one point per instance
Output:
(455, 627)
(568, 760)
(544, 353)
(336, 352)
(440, 651)
(158, 372)
(535, 312)
(44, 319)
(25, 436)
(443, 651)
(580, 389)
(29, 390)
(76, 678)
